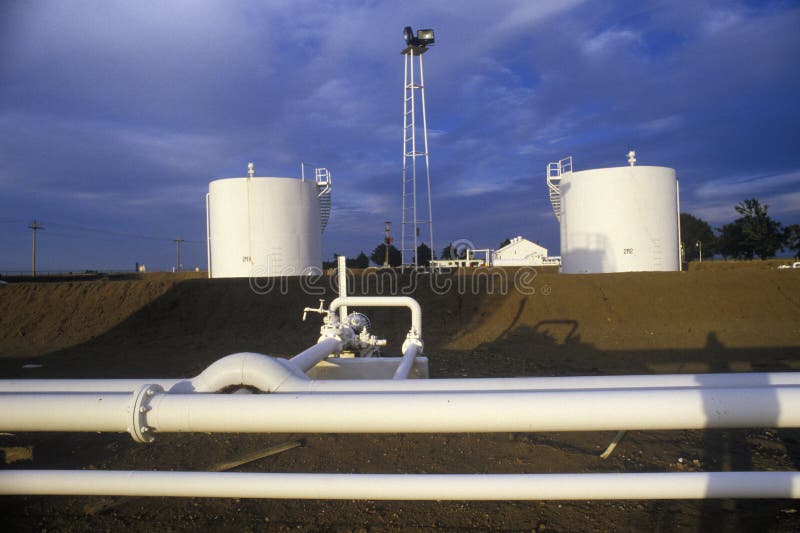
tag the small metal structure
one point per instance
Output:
(412, 218)
(471, 259)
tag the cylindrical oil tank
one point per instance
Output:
(620, 219)
(263, 227)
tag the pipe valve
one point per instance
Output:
(369, 345)
(320, 310)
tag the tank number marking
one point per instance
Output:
(246, 259)
(628, 251)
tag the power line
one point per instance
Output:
(37, 225)
(118, 233)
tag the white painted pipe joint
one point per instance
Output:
(265, 373)
(384, 301)
(138, 428)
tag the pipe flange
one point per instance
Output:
(141, 405)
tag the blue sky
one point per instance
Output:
(114, 116)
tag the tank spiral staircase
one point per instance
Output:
(323, 178)
(554, 173)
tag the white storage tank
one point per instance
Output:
(619, 219)
(264, 227)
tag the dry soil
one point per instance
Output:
(728, 318)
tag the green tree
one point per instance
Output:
(694, 230)
(763, 236)
(360, 261)
(424, 255)
(731, 241)
(506, 242)
(792, 239)
(449, 253)
(379, 254)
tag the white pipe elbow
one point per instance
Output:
(384, 301)
(248, 369)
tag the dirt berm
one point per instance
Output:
(492, 323)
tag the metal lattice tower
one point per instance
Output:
(413, 217)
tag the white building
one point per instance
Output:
(520, 252)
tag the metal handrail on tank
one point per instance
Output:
(554, 172)
(322, 177)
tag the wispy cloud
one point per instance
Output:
(611, 41)
(715, 200)
(137, 106)
(753, 185)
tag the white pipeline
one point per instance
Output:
(67, 412)
(481, 412)
(306, 360)
(255, 368)
(419, 412)
(680, 485)
(407, 362)
(643, 381)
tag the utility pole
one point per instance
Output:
(387, 242)
(34, 226)
(178, 243)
